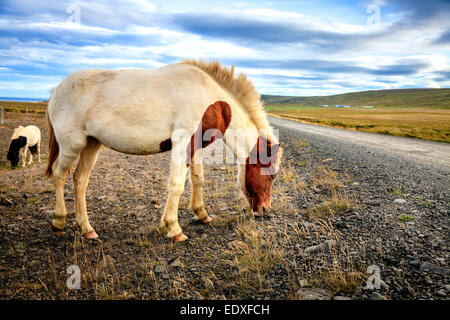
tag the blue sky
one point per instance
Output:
(301, 48)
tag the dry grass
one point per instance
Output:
(337, 204)
(336, 269)
(255, 256)
(424, 123)
(21, 107)
(326, 178)
(235, 257)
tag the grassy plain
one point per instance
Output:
(416, 113)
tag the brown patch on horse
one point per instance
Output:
(260, 173)
(165, 145)
(215, 122)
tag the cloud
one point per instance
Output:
(323, 48)
(444, 38)
(339, 67)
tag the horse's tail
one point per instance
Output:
(53, 148)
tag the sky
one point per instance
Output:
(297, 48)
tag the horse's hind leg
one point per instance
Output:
(60, 169)
(197, 180)
(30, 160)
(24, 155)
(87, 161)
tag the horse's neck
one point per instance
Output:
(241, 137)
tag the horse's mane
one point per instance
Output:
(240, 87)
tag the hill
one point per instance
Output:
(396, 98)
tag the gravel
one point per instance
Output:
(126, 195)
(392, 179)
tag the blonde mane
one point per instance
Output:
(241, 88)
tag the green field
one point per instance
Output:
(398, 98)
(416, 113)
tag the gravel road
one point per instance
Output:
(420, 160)
(396, 176)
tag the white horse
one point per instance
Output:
(23, 139)
(138, 111)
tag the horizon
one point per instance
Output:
(289, 48)
(42, 99)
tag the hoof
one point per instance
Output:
(206, 219)
(179, 238)
(56, 231)
(91, 235)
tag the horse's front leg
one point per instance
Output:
(178, 173)
(197, 180)
(30, 160)
(24, 155)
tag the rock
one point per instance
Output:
(341, 298)
(414, 262)
(429, 267)
(312, 249)
(158, 269)
(314, 294)
(376, 296)
(304, 283)
(327, 245)
(177, 263)
(208, 283)
(324, 246)
(384, 285)
(442, 293)
(428, 280)
(441, 261)
(399, 201)
(5, 201)
(107, 261)
(447, 287)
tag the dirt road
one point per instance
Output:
(421, 151)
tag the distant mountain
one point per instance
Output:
(425, 98)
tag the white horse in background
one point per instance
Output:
(23, 139)
(139, 111)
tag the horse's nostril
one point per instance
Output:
(264, 209)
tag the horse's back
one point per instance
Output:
(32, 133)
(133, 110)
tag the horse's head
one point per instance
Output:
(13, 152)
(261, 169)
